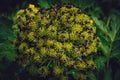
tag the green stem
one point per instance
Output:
(108, 21)
(108, 57)
(49, 63)
(43, 62)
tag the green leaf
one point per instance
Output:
(100, 24)
(7, 50)
(104, 36)
(83, 4)
(10, 56)
(117, 36)
(116, 54)
(71, 72)
(104, 45)
(44, 4)
(100, 63)
(113, 27)
(91, 76)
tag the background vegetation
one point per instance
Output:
(106, 15)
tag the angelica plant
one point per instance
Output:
(56, 41)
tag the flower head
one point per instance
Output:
(55, 40)
(43, 71)
(68, 46)
(57, 70)
(31, 6)
(31, 36)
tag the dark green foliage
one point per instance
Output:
(7, 49)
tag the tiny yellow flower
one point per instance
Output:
(63, 36)
(81, 65)
(31, 6)
(37, 58)
(75, 10)
(21, 19)
(63, 9)
(52, 13)
(78, 18)
(94, 29)
(64, 17)
(43, 51)
(41, 31)
(33, 26)
(44, 21)
(50, 42)
(81, 76)
(63, 57)
(92, 48)
(77, 28)
(52, 53)
(81, 18)
(51, 31)
(58, 45)
(40, 43)
(91, 21)
(56, 23)
(82, 49)
(71, 19)
(29, 13)
(35, 10)
(16, 29)
(22, 35)
(73, 36)
(70, 63)
(76, 54)
(31, 36)
(23, 47)
(57, 70)
(30, 51)
(20, 12)
(43, 71)
(68, 46)
(90, 63)
(85, 34)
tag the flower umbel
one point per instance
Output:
(57, 42)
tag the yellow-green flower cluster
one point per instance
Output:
(55, 40)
